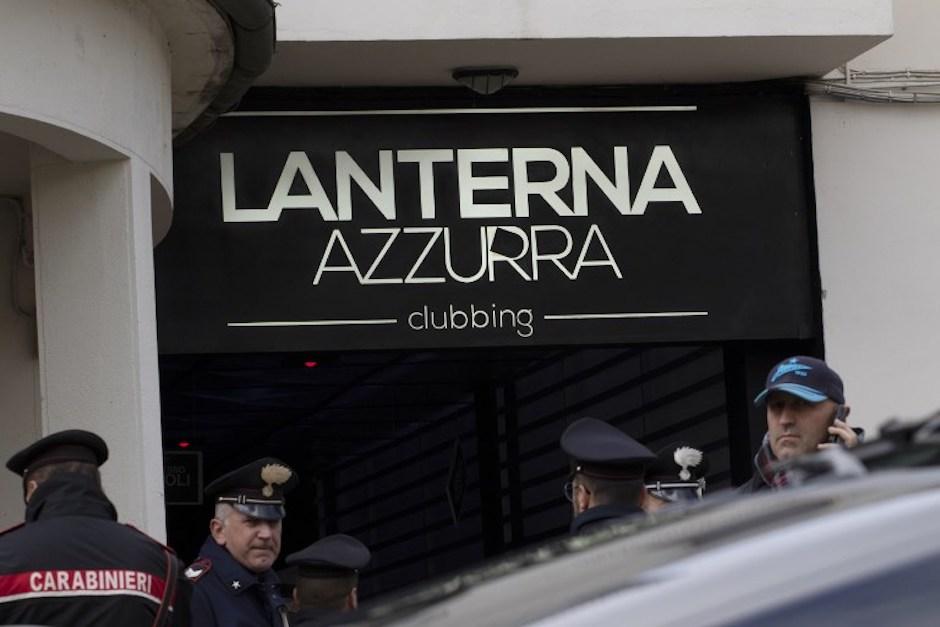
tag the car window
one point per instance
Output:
(907, 595)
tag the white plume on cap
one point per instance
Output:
(274, 473)
(686, 457)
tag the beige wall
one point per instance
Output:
(86, 90)
(877, 172)
(19, 412)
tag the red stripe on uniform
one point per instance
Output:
(91, 582)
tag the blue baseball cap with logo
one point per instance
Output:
(806, 377)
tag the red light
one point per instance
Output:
(310, 364)
(182, 444)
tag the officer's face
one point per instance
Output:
(796, 426)
(254, 543)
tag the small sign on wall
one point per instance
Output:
(182, 477)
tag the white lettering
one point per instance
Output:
(468, 183)
(548, 190)
(648, 192)
(494, 256)
(553, 257)
(426, 160)
(381, 195)
(392, 233)
(618, 192)
(608, 261)
(576, 170)
(449, 263)
(335, 237)
(435, 233)
(230, 213)
(316, 198)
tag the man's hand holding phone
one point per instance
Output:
(840, 433)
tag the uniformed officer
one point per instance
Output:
(677, 475)
(71, 563)
(607, 477)
(327, 578)
(234, 585)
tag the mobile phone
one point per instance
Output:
(840, 414)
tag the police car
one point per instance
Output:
(854, 550)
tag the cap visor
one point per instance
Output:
(806, 393)
(261, 512)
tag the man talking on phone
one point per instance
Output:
(806, 412)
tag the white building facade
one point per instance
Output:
(87, 116)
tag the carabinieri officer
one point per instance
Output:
(71, 563)
(233, 584)
(607, 474)
(327, 578)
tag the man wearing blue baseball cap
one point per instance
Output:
(806, 412)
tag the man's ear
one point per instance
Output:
(352, 599)
(582, 500)
(30, 488)
(216, 528)
(649, 503)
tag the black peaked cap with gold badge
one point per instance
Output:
(331, 556)
(603, 451)
(256, 489)
(72, 445)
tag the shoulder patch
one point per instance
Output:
(197, 569)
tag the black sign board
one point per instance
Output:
(483, 227)
(182, 477)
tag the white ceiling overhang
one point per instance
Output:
(555, 42)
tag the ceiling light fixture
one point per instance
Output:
(485, 80)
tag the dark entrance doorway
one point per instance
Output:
(439, 459)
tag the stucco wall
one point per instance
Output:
(19, 413)
(99, 69)
(877, 171)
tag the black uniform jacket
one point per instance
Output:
(72, 564)
(312, 617)
(597, 517)
(226, 594)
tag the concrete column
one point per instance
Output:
(19, 415)
(96, 320)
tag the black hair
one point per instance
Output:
(325, 592)
(614, 491)
(46, 472)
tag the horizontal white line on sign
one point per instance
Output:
(313, 323)
(289, 114)
(600, 316)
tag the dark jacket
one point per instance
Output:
(226, 594)
(72, 564)
(314, 617)
(600, 516)
(755, 484)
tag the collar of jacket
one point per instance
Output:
(69, 494)
(595, 516)
(236, 577)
